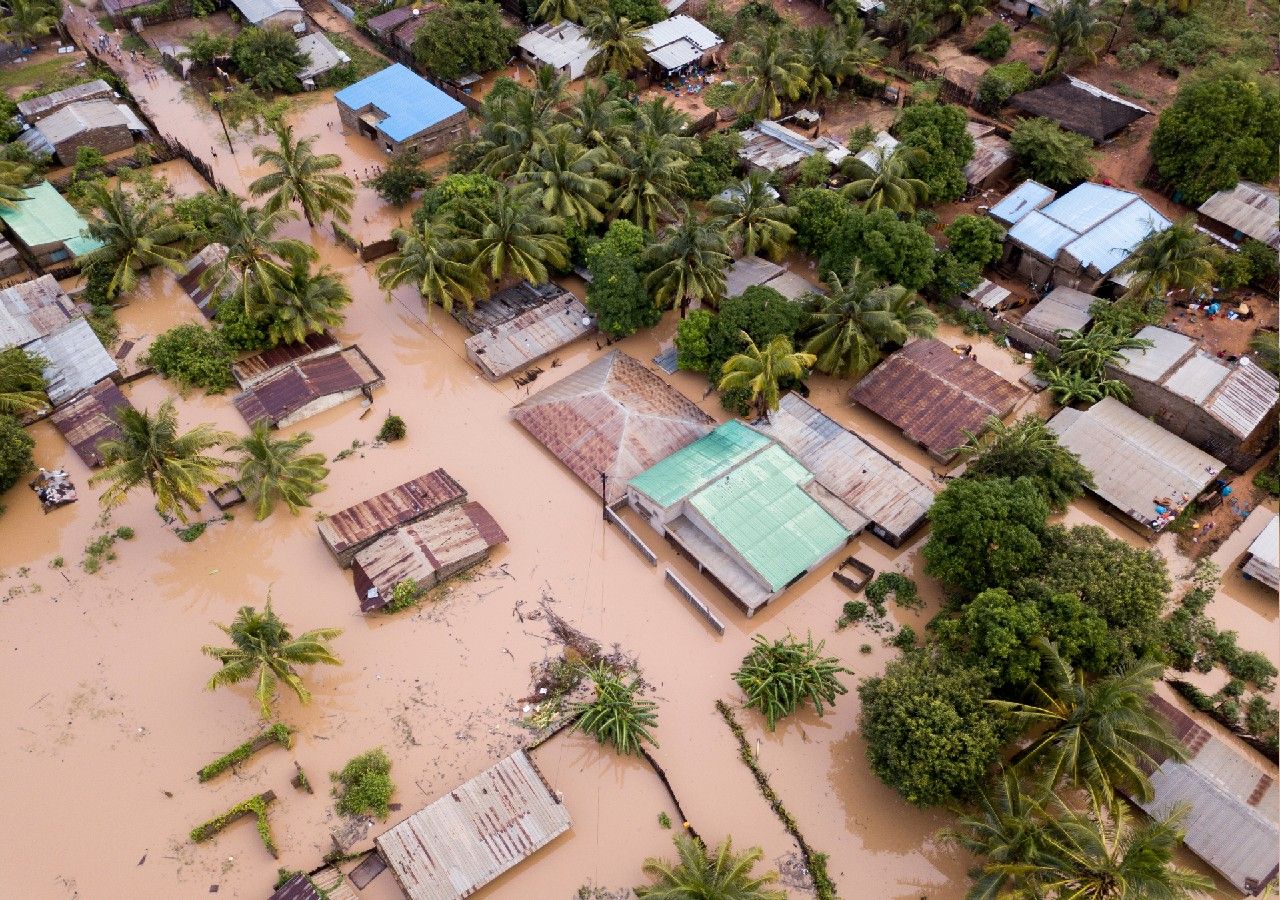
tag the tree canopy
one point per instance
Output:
(938, 130)
(463, 37)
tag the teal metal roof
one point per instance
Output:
(698, 464)
(45, 217)
(761, 511)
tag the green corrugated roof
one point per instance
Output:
(760, 509)
(45, 217)
(706, 459)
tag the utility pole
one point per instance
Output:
(604, 496)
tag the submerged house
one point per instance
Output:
(322, 57)
(196, 284)
(291, 382)
(524, 324)
(1080, 107)
(1139, 469)
(755, 271)
(1262, 560)
(1247, 210)
(936, 396)
(476, 831)
(350, 530)
(611, 420)
(37, 108)
(102, 125)
(401, 110)
(1063, 309)
(1077, 240)
(90, 419)
(47, 228)
(747, 513)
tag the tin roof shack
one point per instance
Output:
(1078, 239)
(401, 110)
(38, 317)
(1247, 210)
(510, 345)
(290, 383)
(1262, 560)
(197, 285)
(350, 530)
(935, 395)
(992, 160)
(47, 228)
(11, 263)
(772, 147)
(322, 57)
(752, 271)
(105, 126)
(564, 47)
(612, 418)
(752, 518)
(1062, 309)
(1226, 409)
(1232, 820)
(1080, 107)
(90, 419)
(427, 552)
(471, 835)
(37, 108)
(283, 14)
(1138, 467)
(893, 501)
(679, 41)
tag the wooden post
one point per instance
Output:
(604, 496)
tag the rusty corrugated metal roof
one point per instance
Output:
(299, 887)
(254, 368)
(474, 833)
(349, 530)
(286, 390)
(193, 281)
(514, 344)
(935, 395)
(90, 419)
(32, 310)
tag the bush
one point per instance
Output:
(240, 330)
(1051, 155)
(268, 59)
(1001, 82)
(194, 357)
(16, 459)
(616, 296)
(393, 428)
(900, 586)
(905, 639)
(994, 43)
(364, 785)
(406, 593)
(1263, 262)
(1268, 477)
(402, 176)
(716, 165)
(778, 676)
(976, 240)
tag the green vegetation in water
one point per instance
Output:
(255, 805)
(278, 733)
(57, 562)
(851, 613)
(778, 676)
(190, 532)
(900, 586)
(99, 550)
(617, 715)
(393, 428)
(364, 785)
(664, 820)
(406, 593)
(562, 676)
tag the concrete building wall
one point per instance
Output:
(105, 140)
(436, 139)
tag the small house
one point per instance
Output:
(993, 158)
(297, 381)
(37, 108)
(350, 530)
(286, 14)
(564, 47)
(771, 147)
(754, 271)
(1063, 309)
(677, 42)
(1261, 561)
(322, 57)
(90, 419)
(510, 345)
(1247, 210)
(400, 110)
(123, 12)
(48, 229)
(881, 147)
(104, 125)
(1080, 107)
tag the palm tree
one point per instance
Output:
(1026, 449)
(512, 127)
(430, 256)
(753, 217)
(619, 43)
(1092, 352)
(652, 179)
(769, 72)
(760, 371)
(687, 264)
(274, 469)
(659, 117)
(150, 450)
(1100, 735)
(698, 875)
(264, 650)
(618, 715)
(964, 10)
(1265, 347)
(305, 303)
(891, 184)
(13, 178)
(1072, 27)
(511, 238)
(596, 120)
(848, 327)
(134, 233)
(556, 11)
(303, 176)
(824, 57)
(1008, 828)
(22, 384)
(26, 20)
(550, 89)
(1178, 258)
(256, 260)
(564, 178)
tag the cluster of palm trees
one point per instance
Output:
(22, 22)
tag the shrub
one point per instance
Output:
(1001, 82)
(903, 589)
(268, 59)
(279, 733)
(715, 166)
(364, 785)
(618, 715)
(905, 639)
(1050, 154)
(852, 612)
(994, 42)
(975, 239)
(406, 593)
(1263, 263)
(1268, 477)
(393, 428)
(777, 677)
(402, 176)
(240, 330)
(194, 357)
(16, 459)
(463, 37)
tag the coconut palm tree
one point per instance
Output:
(150, 450)
(563, 178)
(303, 176)
(135, 234)
(1101, 735)
(256, 260)
(1008, 829)
(1026, 449)
(699, 875)
(263, 649)
(824, 56)
(661, 118)
(617, 715)
(431, 256)
(687, 264)
(760, 371)
(652, 179)
(596, 119)
(754, 218)
(778, 676)
(1072, 28)
(556, 11)
(1092, 352)
(512, 127)
(769, 72)
(272, 469)
(26, 20)
(619, 42)
(550, 89)
(890, 184)
(13, 178)
(22, 384)
(1178, 258)
(305, 303)
(849, 326)
(512, 238)
(1265, 347)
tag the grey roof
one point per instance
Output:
(988, 294)
(531, 335)
(78, 118)
(31, 310)
(1134, 461)
(678, 40)
(1263, 563)
(474, 833)
(881, 146)
(77, 360)
(748, 271)
(1248, 208)
(1153, 363)
(322, 54)
(1018, 203)
(258, 11)
(37, 107)
(771, 146)
(990, 153)
(1062, 309)
(792, 286)
(562, 45)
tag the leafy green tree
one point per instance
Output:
(1001, 82)
(892, 250)
(760, 372)
(305, 302)
(564, 178)
(205, 47)
(688, 264)
(302, 176)
(268, 59)
(699, 875)
(15, 452)
(26, 20)
(556, 11)
(1178, 258)
(136, 234)
(14, 176)
(994, 634)
(1073, 28)
(400, 179)
(930, 733)
(22, 384)
(994, 43)
(512, 238)
(986, 533)
(431, 256)
(646, 12)
(939, 131)
(193, 356)
(617, 715)
(617, 297)
(975, 239)
(462, 38)
(275, 469)
(778, 676)
(263, 650)
(715, 166)
(890, 185)
(176, 466)
(623, 240)
(693, 345)
(1027, 449)
(364, 785)
(817, 214)
(753, 218)
(769, 72)
(1050, 154)
(619, 43)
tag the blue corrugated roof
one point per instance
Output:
(410, 102)
(1021, 200)
(1088, 204)
(1038, 232)
(1111, 242)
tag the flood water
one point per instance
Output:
(104, 675)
